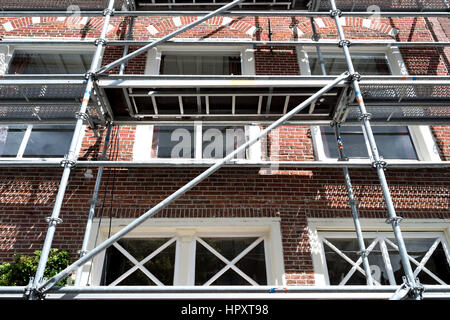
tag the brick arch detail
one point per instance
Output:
(22, 23)
(371, 24)
(176, 22)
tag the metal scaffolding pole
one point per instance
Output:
(93, 202)
(70, 159)
(353, 205)
(246, 13)
(167, 37)
(378, 163)
(66, 272)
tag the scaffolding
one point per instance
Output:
(347, 99)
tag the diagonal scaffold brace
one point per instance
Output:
(117, 236)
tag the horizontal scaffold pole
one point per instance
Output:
(66, 272)
(212, 42)
(244, 13)
(361, 164)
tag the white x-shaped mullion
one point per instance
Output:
(357, 263)
(231, 264)
(343, 256)
(427, 257)
(140, 264)
(417, 263)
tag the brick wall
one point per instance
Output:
(26, 198)
(27, 195)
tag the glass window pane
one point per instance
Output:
(206, 265)
(162, 265)
(338, 267)
(417, 249)
(189, 64)
(394, 142)
(219, 141)
(173, 142)
(253, 264)
(46, 142)
(51, 63)
(10, 139)
(336, 64)
(438, 265)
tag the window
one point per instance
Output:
(35, 141)
(198, 60)
(212, 63)
(197, 142)
(335, 64)
(203, 252)
(41, 141)
(394, 142)
(23, 62)
(337, 260)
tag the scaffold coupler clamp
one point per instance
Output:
(353, 202)
(50, 220)
(336, 13)
(100, 41)
(31, 291)
(395, 220)
(355, 76)
(379, 164)
(108, 11)
(90, 75)
(409, 291)
(82, 253)
(365, 116)
(346, 43)
(67, 161)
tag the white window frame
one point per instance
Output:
(318, 228)
(246, 51)
(142, 148)
(422, 137)
(6, 54)
(186, 232)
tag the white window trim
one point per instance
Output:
(6, 54)
(142, 148)
(422, 137)
(317, 227)
(25, 142)
(247, 56)
(185, 231)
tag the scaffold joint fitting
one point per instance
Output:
(392, 220)
(336, 13)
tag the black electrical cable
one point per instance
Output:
(114, 155)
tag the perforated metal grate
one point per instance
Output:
(58, 4)
(388, 5)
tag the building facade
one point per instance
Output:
(278, 214)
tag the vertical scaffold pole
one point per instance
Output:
(378, 163)
(353, 205)
(93, 203)
(70, 160)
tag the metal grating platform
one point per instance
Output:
(216, 100)
(39, 103)
(58, 4)
(387, 5)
